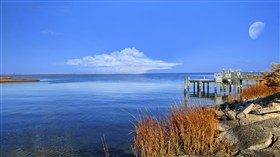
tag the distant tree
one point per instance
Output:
(272, 77)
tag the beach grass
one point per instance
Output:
(257, 90)
(252, 92)
(186, 130)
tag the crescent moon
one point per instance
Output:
(256, 29)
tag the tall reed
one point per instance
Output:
(257, 90)
(150, 138)
(191, 131)
(251, 92)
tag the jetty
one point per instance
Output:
(225, 80)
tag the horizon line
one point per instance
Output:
(120, 73)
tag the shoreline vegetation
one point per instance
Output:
(247, 124)
(10, 80)
(185, 131)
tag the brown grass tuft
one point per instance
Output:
(150, 138)
(251, 92)
(191, 131)
(258, 90)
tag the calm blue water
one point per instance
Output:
(66, 115)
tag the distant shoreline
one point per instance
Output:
(8, 79)
(186, 73)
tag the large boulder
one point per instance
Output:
(251, 137)
(273, 151)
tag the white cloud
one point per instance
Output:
(128, 60)
(50, 32)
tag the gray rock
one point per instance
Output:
(219, 113)
(270, 123)
(264, 120)
(254, 153)
(248, 108)
(270, 116)
(275, 104)
(252, 137)
(274, 149)
(271, 109)
(223, 127)
(277, 100)
(250, 119)
(231, 114)
(274, 131)
(245, 111)
(256, 107)
(263, 144)
(241, 115)
(231, 123)
(224, 118)
(273, 125)
(258, 134)
(229, 136)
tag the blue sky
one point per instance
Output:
(137, 36)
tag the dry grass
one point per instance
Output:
(191, 131)
(150, 138)
(252, 92)
(258, 90)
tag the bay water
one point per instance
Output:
(67, 115)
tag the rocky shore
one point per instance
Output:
(252, 128)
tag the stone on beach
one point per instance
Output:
(245, 111)
(256, 131)
(250, 119)
(252, 137)
(271, 109)
(219, 113)
(231, 114)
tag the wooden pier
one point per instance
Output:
(221, 80)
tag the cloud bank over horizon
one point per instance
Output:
(127, 61)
